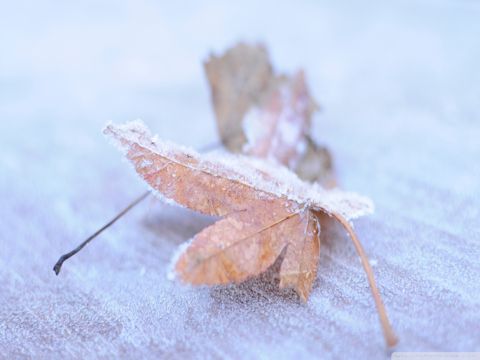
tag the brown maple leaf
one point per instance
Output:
(266, 115)
(265, 210)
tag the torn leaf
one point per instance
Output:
(266, 115)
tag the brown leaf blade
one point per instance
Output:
(239, 246)
(217, 185)
(299, 266)
(264, 114)
(238, 79)
(180, 175)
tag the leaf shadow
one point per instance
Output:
(263, 288)
(174, 224)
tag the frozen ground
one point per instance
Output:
(400, 91)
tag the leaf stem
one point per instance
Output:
(68, 255)
(388, 332)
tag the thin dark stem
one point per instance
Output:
(68, 255)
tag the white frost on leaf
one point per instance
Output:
(277, 128)
(171, 273)
(265, 176)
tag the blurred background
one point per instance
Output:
(398, 84)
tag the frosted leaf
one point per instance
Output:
(266, 211)
(255, 178)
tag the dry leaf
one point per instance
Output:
(266, 115)
(238, 80)
(265, 210)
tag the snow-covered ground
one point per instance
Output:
(399, 89)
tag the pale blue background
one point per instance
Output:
(399, 88)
